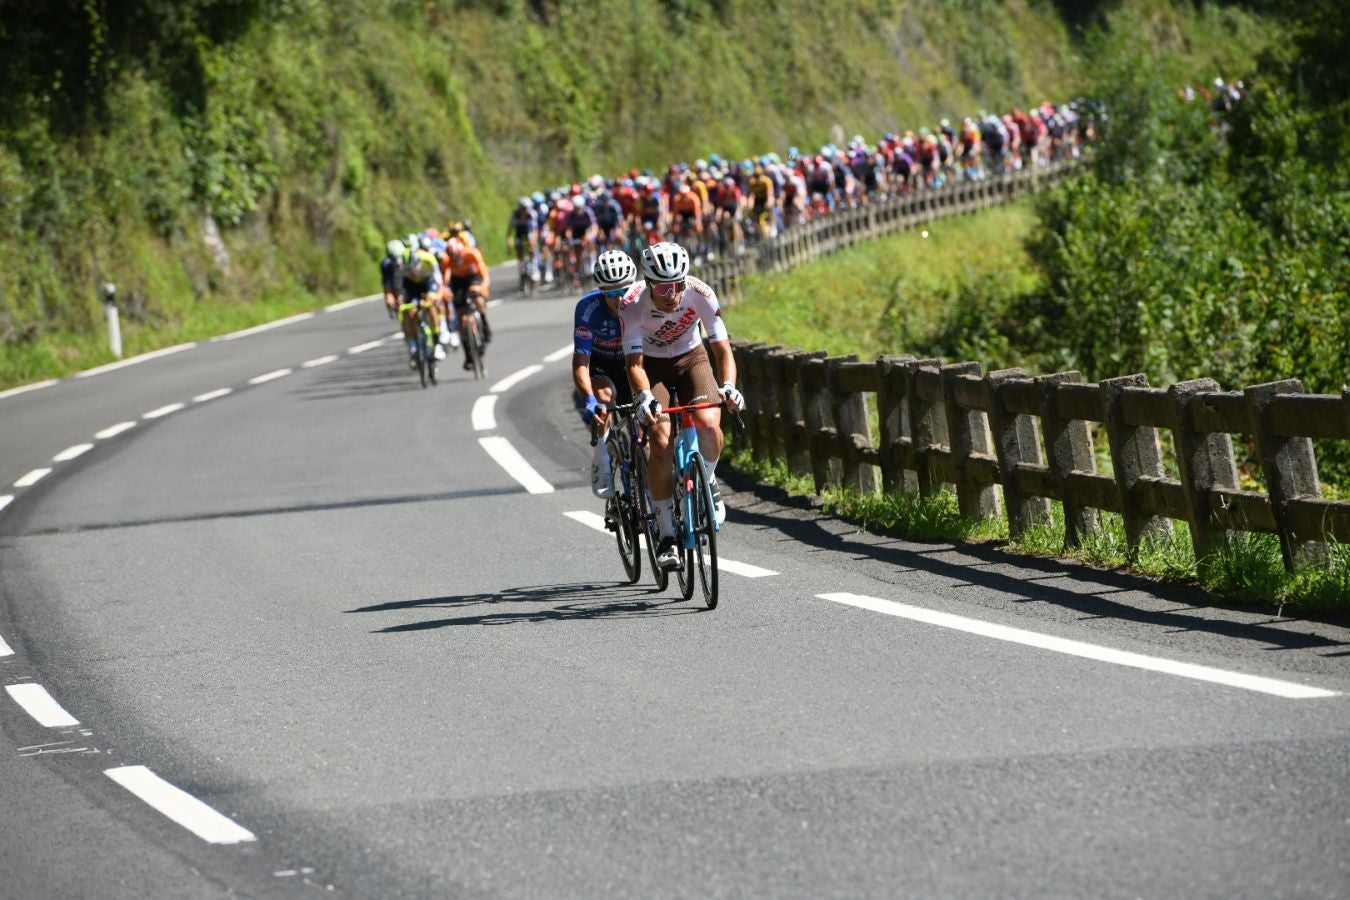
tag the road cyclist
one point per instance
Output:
(468, 289)
(419, 287)
(663, 351)
(598, 371)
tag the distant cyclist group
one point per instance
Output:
(438, 281)
(719, 206)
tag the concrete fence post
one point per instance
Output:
(1015, 442)
(1291, 472)
(1068, 446)
(1135, 456)
(1204, 462)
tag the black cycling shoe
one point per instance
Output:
(667, 557)
(468, 363)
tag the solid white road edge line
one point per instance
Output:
(346, 304)
(369, 345)
(1287, 689)
(501, 451)
(484, 417)
(258, 329)
(163, 411)
(180, 806)
(114, 430)
(745, 570)
(33, 477)
(25, 388)
(515, 378)
(144, 357)
(321, 361)
(70, 453)
(4, 648)
(41, 705)
(559, 354)
(212, 395)
(270, 376)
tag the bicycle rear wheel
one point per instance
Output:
(647, 519)
(684, 525)
(705, 534)
(625, 512)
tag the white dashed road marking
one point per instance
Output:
(6, 500)
(484, 415)
(41, 705)
(163, 411)
(4, 648)
(321, 361)
(71, 452)
(745, 570)
(114, 430)
(180, 806)
(556, 355)
(501, 451)
(32, 478)
(212, 395)
(1287, 689)
(369, 345)
(270, 376)
(514, 379)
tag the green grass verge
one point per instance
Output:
(1246, 569)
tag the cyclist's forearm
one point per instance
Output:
(726, 361)
(581, 374)
(637, 375)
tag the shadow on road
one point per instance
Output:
(552, 602)
(1095, 593)
(378, 371)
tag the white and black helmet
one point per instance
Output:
(614, 269)
(666, 261)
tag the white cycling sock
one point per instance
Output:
(710, 469)
(665, 516)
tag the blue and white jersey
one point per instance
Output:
(597, 331)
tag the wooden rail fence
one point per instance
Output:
(953, 424)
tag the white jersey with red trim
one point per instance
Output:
(653, 332)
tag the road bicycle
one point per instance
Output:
(471, 338)
(526, 266)
(628, 512)
(424, 335)
(696, 527)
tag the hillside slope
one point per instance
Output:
(248, 159)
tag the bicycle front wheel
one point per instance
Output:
(422, 356)
(684, 525)
(705, 533)
(625, 512)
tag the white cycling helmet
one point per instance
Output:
(666, 261)
(396, 248)
(614, 269)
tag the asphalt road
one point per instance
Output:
(358, 656)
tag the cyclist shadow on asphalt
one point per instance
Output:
(372, 375)
(581, 601)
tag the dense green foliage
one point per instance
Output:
(228, 160)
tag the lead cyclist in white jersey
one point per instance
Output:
(662, 351)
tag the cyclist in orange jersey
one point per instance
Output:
(469, 280)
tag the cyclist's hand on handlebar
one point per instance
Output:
(648, 407)
(593, 408)
(734, 398)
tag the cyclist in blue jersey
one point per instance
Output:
(597, 356)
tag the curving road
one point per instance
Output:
(331, 633)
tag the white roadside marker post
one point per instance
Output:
(114, 326)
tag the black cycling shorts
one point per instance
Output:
(615, 371)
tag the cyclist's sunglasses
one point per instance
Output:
(613, 293)
(666, 288)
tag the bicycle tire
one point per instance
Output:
(421, 356)
(626, 528)
(479, 367)
(647, 520)
(684, 575)
(705, 534)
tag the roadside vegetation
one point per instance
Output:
(1198, 244)
(225, 162)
